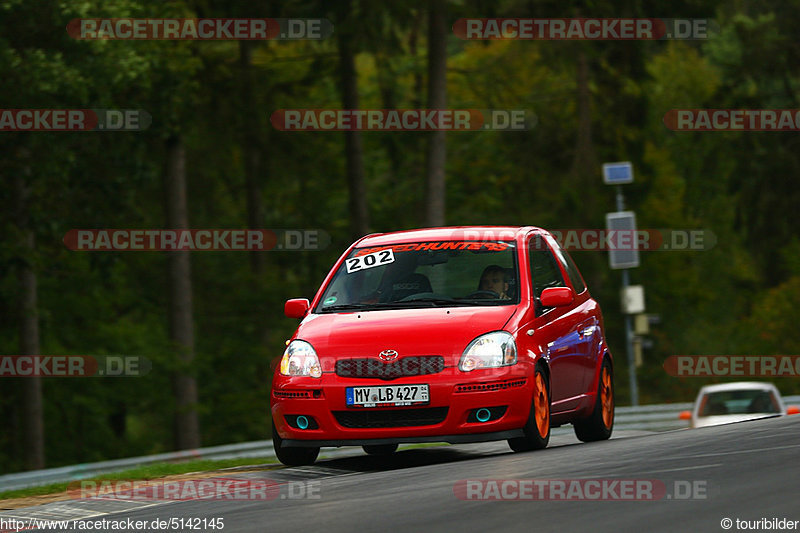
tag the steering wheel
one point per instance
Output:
(483, 295)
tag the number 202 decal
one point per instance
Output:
(383, 257)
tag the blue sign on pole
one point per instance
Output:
(618, 173)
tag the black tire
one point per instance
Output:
(380, 449)
(294, 455)
(533, 439)
(601, 423)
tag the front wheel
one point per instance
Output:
(537, 428)
(600, 424)
(294, 455)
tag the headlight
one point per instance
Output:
(300, 359)
(488, 351)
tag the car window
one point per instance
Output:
(464, 273)
(572, 271)
(425, 273)
(544, 269)
(346, 289)
(738, 402)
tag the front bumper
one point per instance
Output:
(449, 416)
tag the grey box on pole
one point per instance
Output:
(628, 257)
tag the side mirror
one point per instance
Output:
(296, 307)
(557, 296)
(685, 415)
(793, 410)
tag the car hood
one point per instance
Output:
(729, 419)
(427, 331)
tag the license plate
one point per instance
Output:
(387, 395)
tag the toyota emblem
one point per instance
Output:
(388, 355)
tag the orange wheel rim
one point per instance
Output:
(607, 398)
(542, 407)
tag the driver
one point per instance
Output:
(495, 279)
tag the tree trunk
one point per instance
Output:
(251, 147)
(387, 82)
(32, 416)
(437, 99)
(416, 96)
(354, 150)
(585, 170)
(187, 430)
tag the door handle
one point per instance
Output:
(587, 328)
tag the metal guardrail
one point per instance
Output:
(657, 417)
(261, 448)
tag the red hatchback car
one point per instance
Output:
(465, 334)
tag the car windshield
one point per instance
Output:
(424, 274)
(738, 402)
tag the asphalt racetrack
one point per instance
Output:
(747, 471)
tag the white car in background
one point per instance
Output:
(735, 402)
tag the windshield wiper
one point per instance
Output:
(434, 300)
(431, 301)
(487, 301)
(348, 307)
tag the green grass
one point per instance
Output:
(149, 472)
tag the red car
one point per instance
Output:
(465, 334)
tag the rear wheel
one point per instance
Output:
(380, 449)
(600, 424)
(294, 455)
(537, 428)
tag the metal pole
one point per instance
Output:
(628, 329)
(629, 347)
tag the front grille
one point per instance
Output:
(291, 394)
(375, 368)
(490, 386)
(392, 418)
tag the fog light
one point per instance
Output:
(302, 422)
(483, 414)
